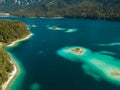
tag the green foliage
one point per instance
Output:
(12, 30)
(5, 66)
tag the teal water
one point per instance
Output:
(44, 69)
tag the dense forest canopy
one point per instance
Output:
(12, 30)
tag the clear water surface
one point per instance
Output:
(43, 69)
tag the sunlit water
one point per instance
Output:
(43, 69)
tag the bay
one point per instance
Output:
(44, 69)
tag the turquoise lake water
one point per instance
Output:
(43, 69)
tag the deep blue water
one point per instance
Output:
(52, 72)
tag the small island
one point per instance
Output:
(56, 28)
(32, 25)
(115, 72)
(77, 50)
(11, 32)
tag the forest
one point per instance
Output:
(12, 30)
(9, 32)
(99, 9)
(5, 66)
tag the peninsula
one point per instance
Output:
(10, 33)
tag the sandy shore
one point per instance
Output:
(11, 76)
(15, 70)
(16, 41)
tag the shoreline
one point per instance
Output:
(16, 69)
(12, 75)
(16, 41)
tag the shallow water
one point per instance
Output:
(46, 70)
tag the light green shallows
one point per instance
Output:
(95, 64)
(35, 86)
(20, 76)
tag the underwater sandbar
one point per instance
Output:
(103, 66)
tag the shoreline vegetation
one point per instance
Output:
(15, 71)
(11, 76)
(19, 40)
(11, 33)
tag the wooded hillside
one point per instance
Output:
(100, 9)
